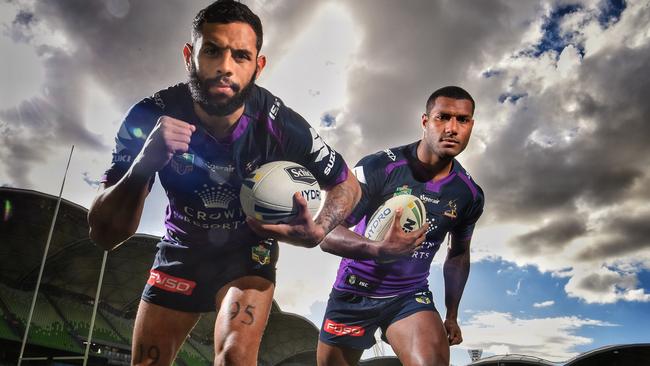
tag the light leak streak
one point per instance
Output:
(7, 211)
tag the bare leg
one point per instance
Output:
(244, 306)
(420, 339)
(159, 333)
(329, 355)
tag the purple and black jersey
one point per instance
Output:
(453, 205)
(203, 184)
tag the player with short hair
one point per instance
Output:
(377, 286)
(202, 138)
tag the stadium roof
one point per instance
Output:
(621, 354)
(513, 359)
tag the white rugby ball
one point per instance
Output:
(267, 194)
(413, 216)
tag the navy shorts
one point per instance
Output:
(351, 320)
(188, 278)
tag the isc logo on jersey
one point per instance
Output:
(267, 194)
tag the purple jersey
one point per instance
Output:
(203, 184)
(453, 205)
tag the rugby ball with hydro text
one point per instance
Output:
(413, 216)
(267, 194)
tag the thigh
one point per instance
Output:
(419, 339)
(334, 355)
(159, 333)
(244, 306)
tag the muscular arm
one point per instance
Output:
(396, 243)
(456, 272)
(115, 213)
(339, 202)
(346, 243)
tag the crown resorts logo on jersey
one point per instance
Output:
(402, 190)
(216, 197)
(300, 175)
(183, 163)
(451, 212)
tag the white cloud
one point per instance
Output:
(553, 338)
(544, 304)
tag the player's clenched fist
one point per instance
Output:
(170, 136)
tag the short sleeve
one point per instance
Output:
(465, 228)
(302, 144)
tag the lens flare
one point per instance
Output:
(137, 132)
(7, 211)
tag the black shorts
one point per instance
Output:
(351, 320)
(188, 278)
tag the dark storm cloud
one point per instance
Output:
(408, 50)
(550, 238)
(599, 165)
(625, 236)
(129, 49)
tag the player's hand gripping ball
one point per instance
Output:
(267, 194)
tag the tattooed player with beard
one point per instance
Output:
(202, 138)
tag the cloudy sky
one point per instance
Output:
(561, 257)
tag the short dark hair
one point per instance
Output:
(454, 92)
(224, 12)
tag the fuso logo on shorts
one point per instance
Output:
(170, 283)
(342, 329)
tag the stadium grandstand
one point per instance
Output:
(63, 310)
(62, 314)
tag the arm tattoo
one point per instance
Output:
(338, 204)
(249, 312)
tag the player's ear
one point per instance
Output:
(425, 118)
(187, 55)
(261, 62)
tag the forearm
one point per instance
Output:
(346, 243)
(115, 213)
(456, 272)
(339, 202)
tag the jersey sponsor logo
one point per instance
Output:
(183, 163)
(390, 154)
(121, 158)
(310, 194)
(170, 283)
(402, 190)
(451, 211)
(300, 175)
(360, 282)
(426, 199)
(275, 108)
(216, 197)
(219, 174)
(159, 101)
(340, 329)
(361, 176)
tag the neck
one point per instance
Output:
(218, 126)
(434, 166)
